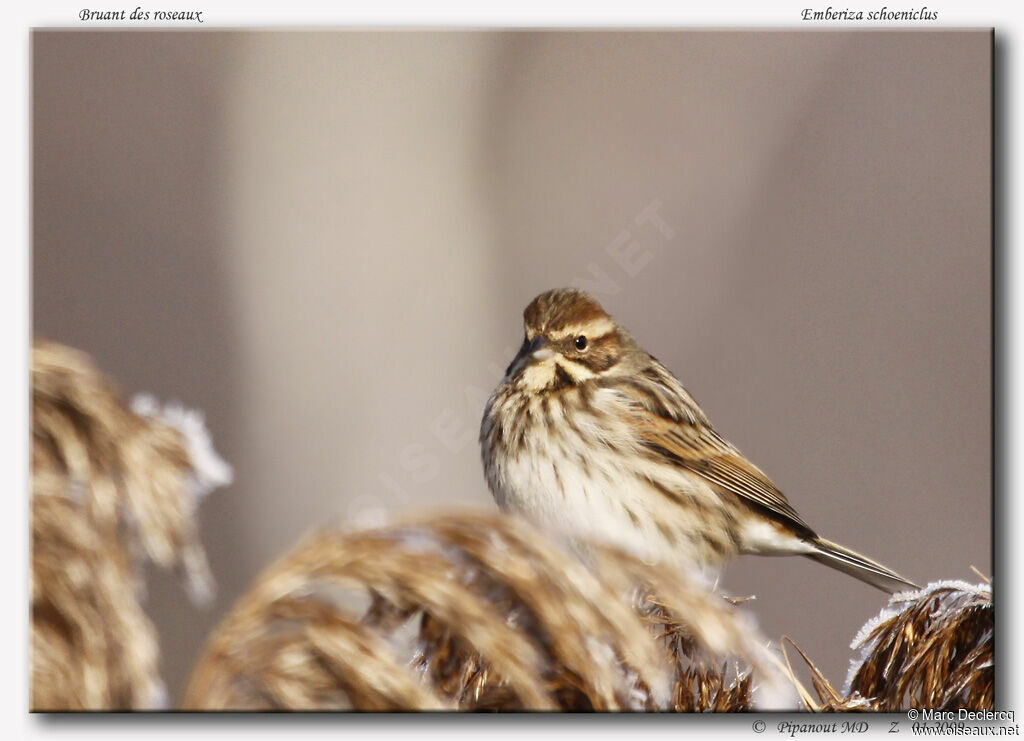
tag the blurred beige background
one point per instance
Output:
(326, 240)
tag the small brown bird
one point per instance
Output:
(590, 435)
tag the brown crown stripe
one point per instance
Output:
(560, 308)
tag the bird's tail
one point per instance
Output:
(860, 567)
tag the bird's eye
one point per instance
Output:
(581, 343)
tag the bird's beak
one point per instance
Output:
(531, 352)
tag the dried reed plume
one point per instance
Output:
(109, 487)
(931, 648)
(477, 612)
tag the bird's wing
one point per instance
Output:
(688, 440)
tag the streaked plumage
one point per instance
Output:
(589, 434)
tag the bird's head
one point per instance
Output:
(569, 339)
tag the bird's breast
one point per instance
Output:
(571, 464)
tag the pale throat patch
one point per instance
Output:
(539, 375)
